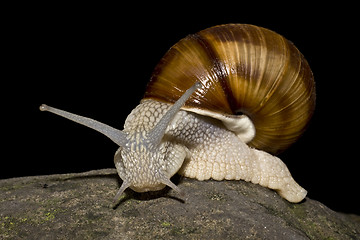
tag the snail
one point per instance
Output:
(219, 105)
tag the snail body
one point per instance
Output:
(218, 103)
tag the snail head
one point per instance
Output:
(141, 159)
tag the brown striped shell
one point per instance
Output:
(244, 69)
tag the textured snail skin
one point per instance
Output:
(201, 148)
(160, 140)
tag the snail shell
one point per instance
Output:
(246, 70)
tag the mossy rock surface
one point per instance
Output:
(79, 206)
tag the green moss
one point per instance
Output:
(7, 223)
(177, 231)
(49, 216)
(11, 187)
(165, 224)
(299, 211)
(40, 217)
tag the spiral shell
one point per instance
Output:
(244, 69)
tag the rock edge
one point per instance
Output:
(79, 206)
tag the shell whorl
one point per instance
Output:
(244, 69)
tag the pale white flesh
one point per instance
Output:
(160, 140)
(202, 148)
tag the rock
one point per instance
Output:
(79, 206)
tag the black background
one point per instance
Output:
(95, 60)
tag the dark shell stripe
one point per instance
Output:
(245, 69)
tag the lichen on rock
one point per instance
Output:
(78, 206)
